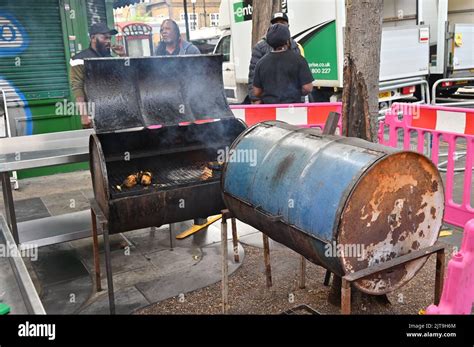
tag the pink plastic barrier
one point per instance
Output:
(458, 289)
(312, 115)
(440, 124)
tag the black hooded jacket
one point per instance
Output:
(258, 52)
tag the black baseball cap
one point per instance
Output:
(101, 28)
(279, 15)
(277, 35)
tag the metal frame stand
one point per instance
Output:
(98, 219)
(437, 248)
(9, 206)
(8, 133)
(327, 278)
(347, 280)
(224, 250)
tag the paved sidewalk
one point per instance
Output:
(145, 269)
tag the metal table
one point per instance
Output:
(16, 284)
(27, 152)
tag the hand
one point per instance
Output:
(256, 102)
(119, 50)
(86, 122)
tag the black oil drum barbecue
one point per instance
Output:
(143, 107)
(165, 119)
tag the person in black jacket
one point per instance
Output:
(100, 47)
(262, 48)
(282, 76)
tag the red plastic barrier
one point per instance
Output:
(312, 115)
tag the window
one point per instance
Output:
(223, 47)
(193, 20)
(214, 19)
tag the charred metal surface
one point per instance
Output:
(164, 207)
(342, 203)
(176, 157)
(140, 92)
(144, 92)
(396, 208)
(98, 173)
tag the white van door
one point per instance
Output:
(228, 67)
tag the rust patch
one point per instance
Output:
(380, 283)
(384, 213)
(433, 212)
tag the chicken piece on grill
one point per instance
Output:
(206, 174)
(215, 165)
(146, 178)
(131, 181)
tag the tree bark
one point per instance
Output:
(363, 38)
(360, 107)
(261, 16)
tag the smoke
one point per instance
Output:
(161, 91)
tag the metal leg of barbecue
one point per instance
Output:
(345, 297)
(348, 279)
(9, 205)
(225, 265)
(95, 250)
(108, 267)
(235, 241)
(302, 273)
(331, 123)
(327, 278)
(439, 277)
(171, 236)
(266, 258)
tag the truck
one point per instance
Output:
(451, 25)
(451, 45)
(318, 25)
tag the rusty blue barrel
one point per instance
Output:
(343, 203)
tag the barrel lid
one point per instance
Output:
(130, 93)
(395, 208)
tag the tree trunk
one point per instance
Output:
(361, 68)
(261, 16)
(363, 38)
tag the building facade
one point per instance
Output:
(201, 13)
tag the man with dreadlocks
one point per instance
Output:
(171, 42)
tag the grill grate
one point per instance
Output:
(165, 176)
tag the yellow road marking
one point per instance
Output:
(445, 233)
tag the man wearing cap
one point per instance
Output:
(282, 76)
(262, 48)
(100, 46)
